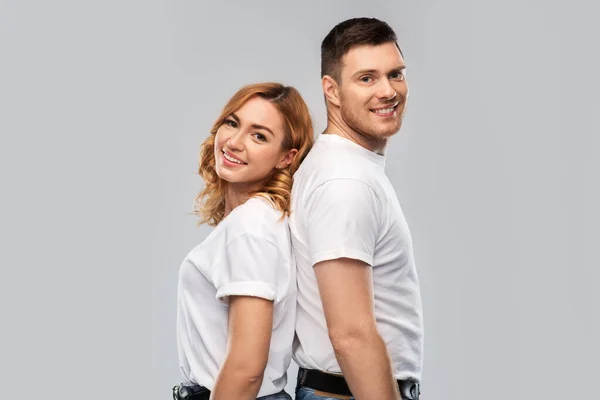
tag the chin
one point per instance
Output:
(386, 131)
(384, 128)
(226, 176)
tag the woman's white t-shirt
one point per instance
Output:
(248, 253)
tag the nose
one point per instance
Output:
(386, 91)
(236, 141)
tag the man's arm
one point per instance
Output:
(248, 340)
(346, 290)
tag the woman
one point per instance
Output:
(237, 290)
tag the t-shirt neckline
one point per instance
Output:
(352, 146)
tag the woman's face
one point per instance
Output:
(248, 145)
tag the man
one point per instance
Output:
(359, 329)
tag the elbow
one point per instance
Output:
(248, 372)
(254, 375)
(349, 340)
(251, 378)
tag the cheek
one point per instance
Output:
(220, 139)
(401, 89)
(357, 98)
(267, 157)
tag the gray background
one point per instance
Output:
(104, 106)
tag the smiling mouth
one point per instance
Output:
(385, 111)
(232, 159)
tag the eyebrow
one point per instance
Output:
(373, 71)
(255, 126)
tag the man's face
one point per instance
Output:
(373, 90)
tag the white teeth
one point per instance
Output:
(384, 110)
(232, 159)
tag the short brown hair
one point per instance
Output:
(351, 33)
(298, 134)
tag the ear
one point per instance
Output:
(330, 90)
(287, 159)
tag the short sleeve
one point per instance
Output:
(342, 221)
(248, 269)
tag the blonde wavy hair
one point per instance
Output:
(298, 134)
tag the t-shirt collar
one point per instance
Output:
(352, 146)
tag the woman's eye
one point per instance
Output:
(260, 137)
(231, 123)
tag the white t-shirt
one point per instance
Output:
(343, 205)
(248, 253)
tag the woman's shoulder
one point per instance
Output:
(262, 206)
(257, 216)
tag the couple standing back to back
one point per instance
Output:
(311, 256)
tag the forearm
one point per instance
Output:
(366, 366)
(248, 339)
(236, 383)
(352, 327)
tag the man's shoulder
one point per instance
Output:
(349, 188)
(322, 168)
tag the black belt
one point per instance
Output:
(192, 392)
(197, 392)
(332, 383)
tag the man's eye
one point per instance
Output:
(397, 75)
(366, 79)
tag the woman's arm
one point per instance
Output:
(248, 340)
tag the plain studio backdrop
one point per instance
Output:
(103, 109)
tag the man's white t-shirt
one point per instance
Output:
(343, 205)
(249, 254)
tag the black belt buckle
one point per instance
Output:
(183, 392)
(176, 393)
(301, 376)
(409, 390)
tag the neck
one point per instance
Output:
(233, 198)
(337, 126)
(237, 193)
